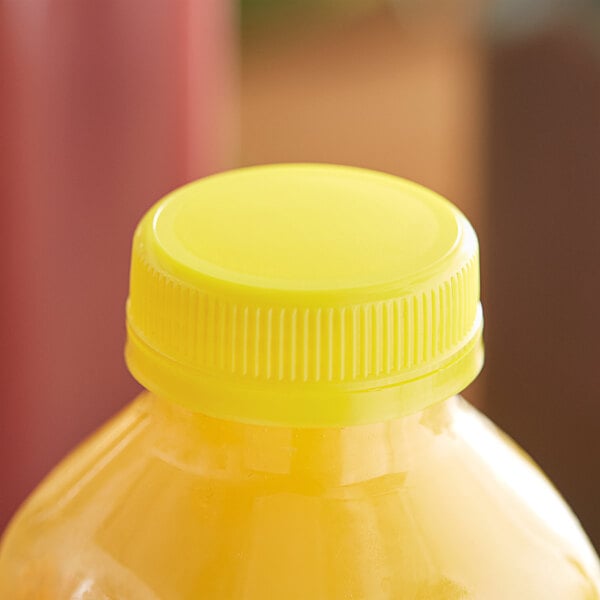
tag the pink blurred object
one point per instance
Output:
(106, 106)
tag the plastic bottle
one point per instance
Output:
(302, 332)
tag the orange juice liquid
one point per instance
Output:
(168, 504)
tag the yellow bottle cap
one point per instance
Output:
(305, 295)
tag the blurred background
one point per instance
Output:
(107, 105)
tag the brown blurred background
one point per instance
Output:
(496, 105)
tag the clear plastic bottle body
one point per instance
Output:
(167, 504)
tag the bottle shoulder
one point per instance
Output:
(175, 505)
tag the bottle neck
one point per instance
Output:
(325, 455)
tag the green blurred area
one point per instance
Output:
(255, 12)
